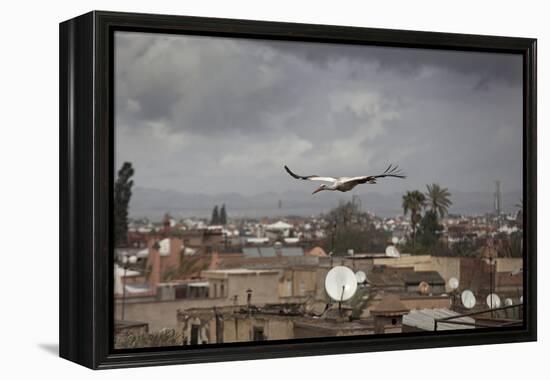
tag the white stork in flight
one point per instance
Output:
(348, 183)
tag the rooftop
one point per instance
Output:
(424, 319)
(272, 251)
(280, 225)
(358, 326)
(415, 278)
(389, 305)
(239, 271)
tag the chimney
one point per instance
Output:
(388, 314)
(176, 246)
(153, 264)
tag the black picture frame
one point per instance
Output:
(86, 182)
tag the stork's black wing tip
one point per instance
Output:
(392, 170)
(290, 172)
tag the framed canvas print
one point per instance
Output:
(235, 190)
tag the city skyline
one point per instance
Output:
(154, 203)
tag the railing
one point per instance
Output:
(495, 323)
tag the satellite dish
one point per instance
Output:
(309, 305)
(468, 299)
(360, 276)
(340, 283)
(423, 287)
(493, 301)
(391, 251)
(521, 299)
(453, 283)
(395, 240)
(508, 302)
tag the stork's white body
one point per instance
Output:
(344, 184)
(347, 183)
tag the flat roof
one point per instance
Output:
(335, 325)
(424, 319)
(201, 284)
(271, 251)
(238, 271)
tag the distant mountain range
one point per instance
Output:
(153, 203)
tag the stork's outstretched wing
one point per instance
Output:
(310, 177)
(391, 171)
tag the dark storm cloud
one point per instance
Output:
(207, 85)
(201, 114)
(489, 67)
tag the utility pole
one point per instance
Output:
(498, 201)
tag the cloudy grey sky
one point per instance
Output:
(216, 115)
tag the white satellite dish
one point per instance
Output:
(340, 283)
(453, 283)
(391, 251)
(468, 299)
(360, 276)
(395, 240)
(521, 299)
(508, 302)
(493, 301)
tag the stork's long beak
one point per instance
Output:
(318, 189)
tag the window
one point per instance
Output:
(302, 288)
(181, 292)
(195, 334)
(258, 333)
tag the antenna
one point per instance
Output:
(498, 198)
(453, 283)
(493, 301)
(360, 276)
(508, 302)
(391, 251)
(308, 305)
(468, 299)
(340, 283)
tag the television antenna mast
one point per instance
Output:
(453, 285)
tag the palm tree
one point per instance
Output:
(519, 215)
(413, 201)
(438, 199)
